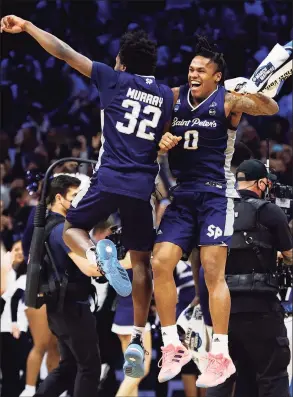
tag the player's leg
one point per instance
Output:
(138, 237)
(216, 218)
(173, 238)
(89, 207)
(129, 386)
(213, 259)
(166, 255)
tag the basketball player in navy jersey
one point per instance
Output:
(201, 139)
(135, 112)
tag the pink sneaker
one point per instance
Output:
(218, 369)
(173, 359)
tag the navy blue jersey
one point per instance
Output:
(201, 160)
(135, 110)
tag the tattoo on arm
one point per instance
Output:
(253, 104)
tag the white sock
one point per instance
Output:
(137, 331)
(29, 390)
(91, 256)
(170, 335)
(220, 345)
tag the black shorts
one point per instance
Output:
(92, 205)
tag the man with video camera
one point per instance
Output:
(67, 300)
(257, 333)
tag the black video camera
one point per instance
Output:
(282, 195)
(282, 191)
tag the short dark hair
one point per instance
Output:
(61, 184)
(205, 49)
(138, 53)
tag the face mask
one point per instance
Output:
(265, 193)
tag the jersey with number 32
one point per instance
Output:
(135, 110)
(201, 161)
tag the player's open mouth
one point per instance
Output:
(195, 84)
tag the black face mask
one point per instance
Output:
(265, 193)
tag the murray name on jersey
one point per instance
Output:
(141, 96)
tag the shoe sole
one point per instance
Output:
(134, 362)
(166, 379)
(203, 386)
(117, 276)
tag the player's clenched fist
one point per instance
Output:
(168, 141)
(12, 24)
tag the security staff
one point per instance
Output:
(257, 333)
(69, 317)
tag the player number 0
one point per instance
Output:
(133, 119)
(191, 140)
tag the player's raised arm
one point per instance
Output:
(254, 104)
(53, 45)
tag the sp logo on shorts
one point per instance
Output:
(214, 231)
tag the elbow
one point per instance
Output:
(273, 109)
(66, 234)
(62, 51)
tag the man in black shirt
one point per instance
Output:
(74, 325)
(257, 333)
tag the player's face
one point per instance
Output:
(118, 66)
(203, 77)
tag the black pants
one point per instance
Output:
(80, 361)
(258, 344)
(14, 353)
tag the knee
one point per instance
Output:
(213, 271)
(40, 349)
(161, 267)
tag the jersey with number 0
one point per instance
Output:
(135, 110)
(201, 160)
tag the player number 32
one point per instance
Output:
(132, 117)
